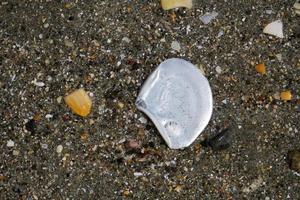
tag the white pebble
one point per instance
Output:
(218, 69)
(46, 25)
(143, 120)
(49, 116)
(175, 46)
(59, 149)
(16, 152)
(138, 174)
(59, 99)
(10, 143)
(126, 39)
(38, 83)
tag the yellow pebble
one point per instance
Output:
(79, 102)
(261, 68)
(286, 95)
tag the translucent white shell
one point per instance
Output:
(178, 99)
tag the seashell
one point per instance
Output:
(170, 4)
(208, 17)
(274, 28)
(178, 99)
(79, 102)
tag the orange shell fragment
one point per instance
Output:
(286, 95)
(261, 68)
(79, 102)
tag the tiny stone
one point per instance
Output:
(120, 105)
(269, 12)
(10, 143)
(294, 160)
(38, 83)
(218, 70)
(175, 46)
(143, 120)
(16, 152)
(46, 25)
(108, 41)
(59, 99)
(137, 174)
(68, 43)
(59, 149)
(96, 43)
(41, 36)
(133, 144)
(95, 148)
(47, 61)
(126, 39)
(49, 116)
(279, 57)
(44, 146)
(220, 34)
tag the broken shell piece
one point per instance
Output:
(178, 99)
(274, 28)
(170, 4)
(79, 102)
(297, 5)
(208, 17)
(260, 68)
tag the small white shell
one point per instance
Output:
(178, 99)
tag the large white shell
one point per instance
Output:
(178, 99)
(274, 28)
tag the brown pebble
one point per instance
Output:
(133, 144)
(294, 160)
(84, 136)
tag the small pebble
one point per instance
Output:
(294, 160)
(59, 99)
(46, 25)
(59, 149)
(126, 39)
(137, 174)
(175, 46)
(143, 120)
(279, 57)
(221, 141)
(10, 143)
(120, 105)
(218, 69)
(49, 116)
(68, 43)
(269, 12)
(16, 152)
(133, 144)
(38, 83)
